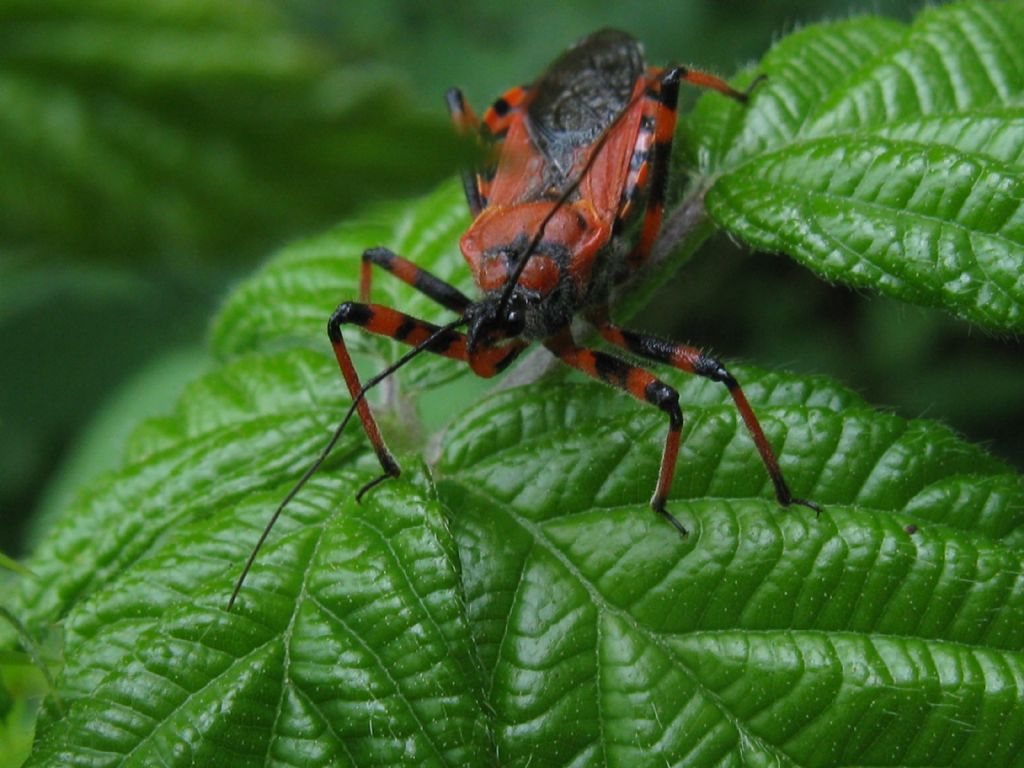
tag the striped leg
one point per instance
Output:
(433, 287)
(500, 115)
(664, 100)
(661, 111)
(384, 321)
(645, 387)
(466, 124)
(694, 361)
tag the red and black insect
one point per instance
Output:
(577, 161)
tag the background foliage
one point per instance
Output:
(153, 152)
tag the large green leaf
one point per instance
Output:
(766, 636)
(887, 157)
(559, 619)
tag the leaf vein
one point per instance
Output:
(539, 535)
(403, 697)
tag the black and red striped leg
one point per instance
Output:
(423, 281)
(642, 385)
(503, 112)
(466, 124)
(660, 113)
(694, 361)
(665, 99)
(384, 321)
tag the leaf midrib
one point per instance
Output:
(870, 634)
(286, 641)
(304, 594)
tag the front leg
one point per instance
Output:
(431, 286)
(384, 321)
(423, 337)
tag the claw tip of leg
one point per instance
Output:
(658, 505)
(809, 505)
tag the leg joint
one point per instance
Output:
(710, 368)
(350, 312)
(664, 397)
(379, 255)
(673, 75)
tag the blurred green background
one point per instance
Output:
(153, 153)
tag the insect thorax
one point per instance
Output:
(569, 268)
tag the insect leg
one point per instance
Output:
(694, 361)
(500, 115)
(664, 100)
(466, 123)
(423, 337)
(491, 132)
(384, 321)
(660, 110)
(429, 285)
(705, 80)
(463, 116)
(642, 385)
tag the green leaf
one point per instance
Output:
(886, 157)
(590, 630)
(350, 645)
(299, 667)
(766, 635)
(202, 460)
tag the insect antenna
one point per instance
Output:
(326, 450)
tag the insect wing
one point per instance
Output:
(581, 93)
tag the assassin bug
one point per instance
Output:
(576, 160)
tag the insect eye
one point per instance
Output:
(515, 321)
